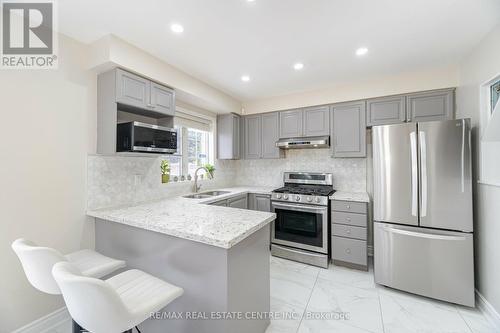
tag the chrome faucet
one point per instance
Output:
(197, 187)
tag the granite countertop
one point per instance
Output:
(193, 219)
(350, 196)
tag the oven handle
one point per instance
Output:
(299, 208)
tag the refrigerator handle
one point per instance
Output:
(463, 156)
(423, 170)
(425, 235)
(414, 173)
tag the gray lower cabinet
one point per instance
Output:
(253, 137)
(220, 203)
(317, 121)
(348, 133)
(350, 234)
(431, 105)
(228, 136)
(238, 202)
(386, 110)
(141, 93)
(291, 123)
(260, 202)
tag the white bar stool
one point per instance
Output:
(37, 262)
(115, 305)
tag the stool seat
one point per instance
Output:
(94, 264)
(143, 293)
(114, 305)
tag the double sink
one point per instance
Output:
(204, 195)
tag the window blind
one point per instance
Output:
(191, 121)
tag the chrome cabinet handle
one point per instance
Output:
(348, 207)
(348, 251)
(348, 219)
(348, 231)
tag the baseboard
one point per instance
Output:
(488, 310)
(55, 322)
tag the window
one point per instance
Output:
(195, 146)
(494, 94)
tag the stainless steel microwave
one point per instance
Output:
(141, 137)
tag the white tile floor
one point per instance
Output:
(307, 290)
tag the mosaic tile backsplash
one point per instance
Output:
(121, 180)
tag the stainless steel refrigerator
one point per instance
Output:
(423, 240)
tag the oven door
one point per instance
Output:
(301, 226)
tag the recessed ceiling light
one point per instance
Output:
(250, 0)
(361, 51)
(245, 78)
(298, 66)
(177, 28)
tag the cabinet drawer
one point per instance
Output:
(349, 250)
(358, 220)
(349, 206)
(349, 231)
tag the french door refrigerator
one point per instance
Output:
(423, 240)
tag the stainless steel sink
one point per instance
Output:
(197, 196)
(215, 193)
(205, 195)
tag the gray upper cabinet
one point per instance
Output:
(138, 92)
(349, 129)
(317, 121)
(270, 134)
(228, 136)
(431, 105)
(386, 110)
(291, 123)
(162, 99)
(253, 137)
(132, 89)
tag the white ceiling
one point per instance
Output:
(224, 39)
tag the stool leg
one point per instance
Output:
(77, 328)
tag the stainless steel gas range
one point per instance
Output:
(300, 231)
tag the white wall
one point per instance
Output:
(481, 65)
(49, 126)
(360, 88)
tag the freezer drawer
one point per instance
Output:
(432, 263)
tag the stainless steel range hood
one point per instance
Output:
(308, 142)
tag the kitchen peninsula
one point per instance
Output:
(218, 255)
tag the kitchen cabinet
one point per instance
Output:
(238, 202)
(431, 105)
(350, 234)
(138, 92)
(291, 123)
(317, 121)
(386, 110)
(348, 129)
(228, 136)
(253, 137)
(270, 134)
(260, 202)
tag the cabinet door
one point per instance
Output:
(291, 123)
(240, 202)
(386, 110)
(349, 130)
(162, 99)
(253, 137)
(317, 121)
(132, 90)
(262, 203)
(228, 137)
(270, 134)
(432, 105)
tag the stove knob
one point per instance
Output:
(278, 196)
(285, 196)
(309, 199)
(318, 199)
(297, 198)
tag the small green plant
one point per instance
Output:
(165, 167)
(210, 168)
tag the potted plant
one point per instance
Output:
(165, 171)
(211, 169)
